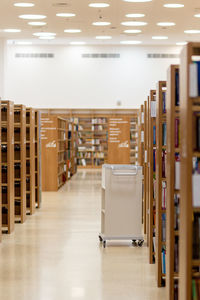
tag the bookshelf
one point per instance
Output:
(72, 140)
(134, 138)
(30, 161)
(145, 170)
(161, 184)
(54, 152)
(173, 181)
(151, 174)
(7, 166)
(189, 271)
(38, 189)
(20, 163)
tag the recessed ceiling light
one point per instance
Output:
(137, 1)
(166, 24)
(134, 23)
(77, 43)
(132, 31)
(32, 17)
(44, 34)
(173, 5)
(100, 5)
(181, 43)
(159, 37)
(135, 15)
(24, 4)
(103, 37)
(46, 37)
(72, 30)
(65, 15)
(37, 23)
(24, 43)
(130, 42)
(101, 23)
(12, 30)
(192, 31)
(197, 16)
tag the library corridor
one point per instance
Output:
(56, 255)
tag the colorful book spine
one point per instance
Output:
(154, 160)
(177, 99)
(164, 134)
(177, 132)
(154, 135)
(164, 102)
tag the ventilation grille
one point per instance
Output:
(34, 55)
(100, 55)
(162, 55)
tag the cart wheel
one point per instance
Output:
(100, 239)
(140, 243)
(104, 244)
(134, 243)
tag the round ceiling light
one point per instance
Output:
(32, 17)
(72, 30)
(135, 15)
(173, 5)
(130, 42)
(37, 23)
(132, 31)
(101, 23)
(65, 15)
(134, 23)
(166, 24)
(24, 4)
(99, 5)
(159, 37)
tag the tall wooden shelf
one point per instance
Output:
(100, 140)
(7, 165)
(38, 186)
(189, 206)
(161, 182)
(151, 175)
(30, 161)
(20, 162)
(54, 152)
(173, 188)
(145, 168)
(72, 137)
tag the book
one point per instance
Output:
(164, 161)
(193, 80)
(196, 236)
(176, 211)
(198, 133)
(164, 134)
(177, 132)
(164, 188)
(154, 135)
(154, 160)
(176, 254)
(177, 171)
(153, 109)
(163, 254)
(177, 99)
(163, 227)
(164, 102)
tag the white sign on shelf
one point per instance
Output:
(145, 156)
(142, 136)
(153, 109)
(142, 118)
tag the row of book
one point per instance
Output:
(99, 121)
(84, 155)
(176, 211)
(97, 128)
(196, 181)
(164, 192)
(196, 289)
(164, 102)
(163, 256)
(163, 227)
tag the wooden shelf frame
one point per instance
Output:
(187, 131)
(38, 185)
(7, 161)
(30, 161)
(160, 120)
(172, 114)
(151, 177)
(145, 171)
(20, 163)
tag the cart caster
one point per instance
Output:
(134, 243)
(104, 244)
(100, 239)
(140, 243)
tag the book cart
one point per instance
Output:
(20, 162)
(30, 161)
(189, 271)
(38, 190)
(161, 142)
(151, 174)
(7, 166)
(173, 182)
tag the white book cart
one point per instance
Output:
(121, 207)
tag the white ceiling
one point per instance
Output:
(85, 15)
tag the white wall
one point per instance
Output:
(70, 81)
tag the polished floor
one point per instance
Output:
(56, 254)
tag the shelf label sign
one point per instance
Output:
(51, 144)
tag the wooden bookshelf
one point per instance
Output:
(7, 165)
(72, 138)
(54, 152)
(145, 168)
(161, 182)
(151, 175)
(173, 188)
(190, 153)
(100, 147)
(38, 185)
(20, 163)
(30, 161)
